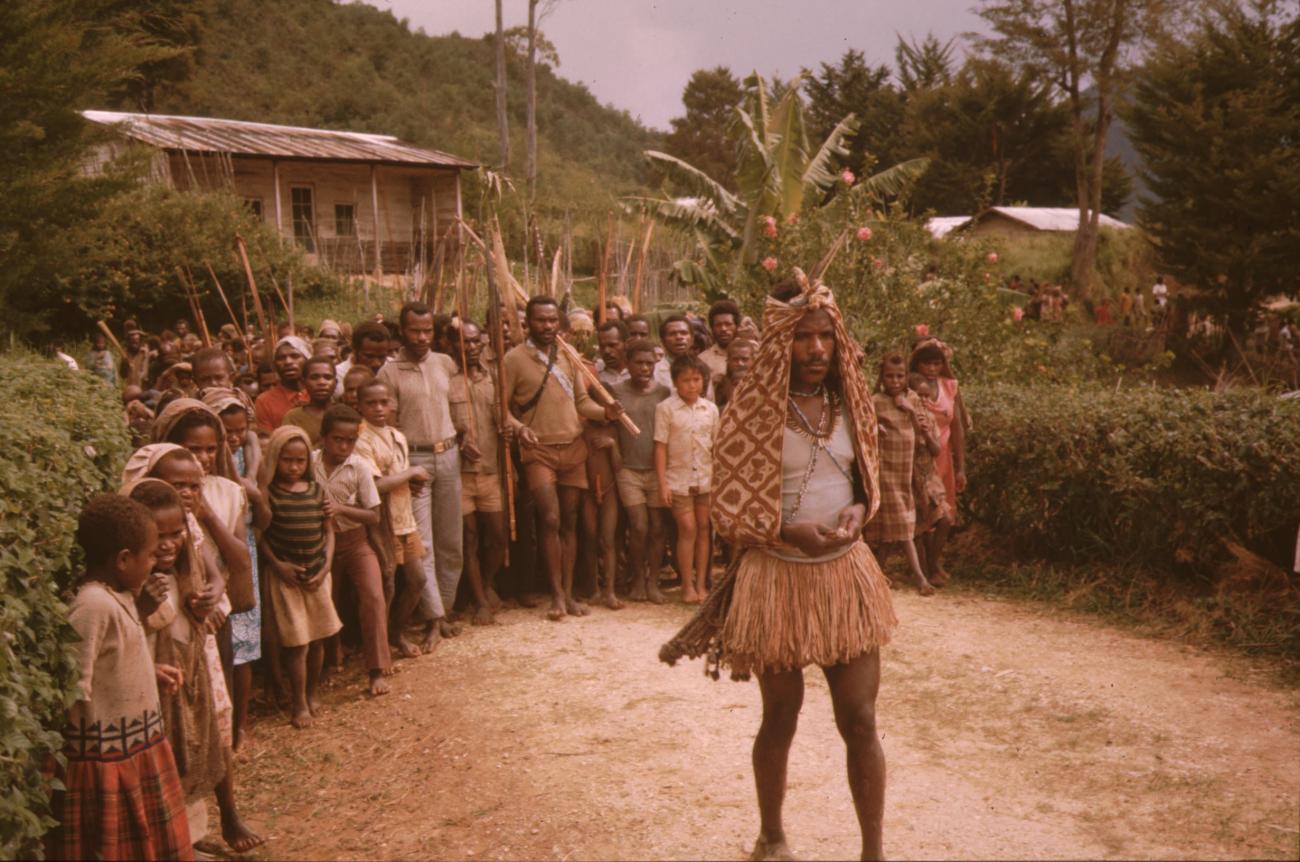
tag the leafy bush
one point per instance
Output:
(1160, 478)
(65, 441)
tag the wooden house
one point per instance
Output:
(1008, 222)
(357, 202)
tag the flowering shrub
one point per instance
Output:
(67, 442)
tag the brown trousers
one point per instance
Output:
(356, 561)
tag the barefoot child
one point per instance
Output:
(318, 373)
(389, 455)
(245, 627)
(638, 484)
(122, 796)
(905, 424)
(180, 631)
(927, 486)
(684, 427)
(352, 504)
(298, 546)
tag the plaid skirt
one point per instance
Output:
(131, 807)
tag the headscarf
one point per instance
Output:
(179, 409)
(328, 324)
(280, 438)
(299, 345)
(747, 454)
(220, 399)
(143, 461)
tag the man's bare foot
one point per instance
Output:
(924, 587)
(301, 718)
(406, 649)
(313, 704)
(530, 600)
(378, 685)
(508, 605)
(771, 851)
(431, 639)
(690, 597)
(575, 609)
(637, 593)
(448, 629)
(654, 595)
(611, 601)
(238, 739)
(484, 617)
(940, 577)
(494, 601)
(556, 612)
(237, 834)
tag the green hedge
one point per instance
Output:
(1159, 478)
(64, 441)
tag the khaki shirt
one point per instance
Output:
(485, 428)
(385, 449)
(716, 358)
(688, 430)
(557, 418)
(351, 483)
(420, 392)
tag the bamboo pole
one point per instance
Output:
(198, 305)
(252, 286)
(640, 267)
(495, 335)
(112, 339)
(603, 273)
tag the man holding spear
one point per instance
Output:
(548, 400)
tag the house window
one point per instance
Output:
(304, 216)
(345, 220)
(254, 206)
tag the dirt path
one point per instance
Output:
(1009, 734)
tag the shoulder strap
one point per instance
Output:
(532, 402)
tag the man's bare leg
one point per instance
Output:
(570, 499)
(782, 700)
(609, 549)
(655, 552)
(854, 686)
(483, 612)
(638, 532)
(547, 499)
(492, 553)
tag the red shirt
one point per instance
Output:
(271, 406)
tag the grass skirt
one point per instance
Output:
(768, 614)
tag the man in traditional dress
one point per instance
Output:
(795, 478)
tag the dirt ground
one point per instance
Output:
(1009, 733)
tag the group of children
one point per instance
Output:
(281, 527)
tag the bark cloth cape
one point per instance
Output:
(747, 476)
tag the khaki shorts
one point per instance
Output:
(686, 502)
(639, 488)
(565, 464)
(408, 548)
(480, 492)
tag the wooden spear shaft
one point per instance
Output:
(593, 382)
(499, 348)
(252, 286)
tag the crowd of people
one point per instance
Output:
(295, 501)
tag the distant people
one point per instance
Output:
(740, 356)
(724, 319)
(1101, 312)
(1159, 301)
(1126, 307)
(287, 392)
(930, 359)
(99, 361)
(611, 367)
(677, 340)
(638, 326)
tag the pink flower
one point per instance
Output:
(922, 330)
(864, 234)
(877, 263)
(769, 226)
(769, 263)
(846, 176)
(987, 277)
(993, 257)
(1017, 313)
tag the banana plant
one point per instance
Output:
(777, 174)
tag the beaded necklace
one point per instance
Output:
(797, 421)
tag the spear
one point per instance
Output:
(507, 465)
(252, 286)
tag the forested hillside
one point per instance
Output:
(351, 66)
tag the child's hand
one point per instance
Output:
(170, 679)
(961, 481)
(329, 508)
(215, 621)
(902, 402)
(152, 595)
(204, 601)
(290, 573)
(313, 583)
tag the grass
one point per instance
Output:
(1261, 624)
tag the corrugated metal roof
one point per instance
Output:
(1052, 218)
(941, 226)
(238, 137)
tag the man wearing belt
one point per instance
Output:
(548, 400)
(420, 382)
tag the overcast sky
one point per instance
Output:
(637, 55)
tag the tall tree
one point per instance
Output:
(503, 120)
(854, 87)
(703, 136)
(1216, 119)
(56, 56)
(923, 66)
(1086, 48)
(537, 12)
